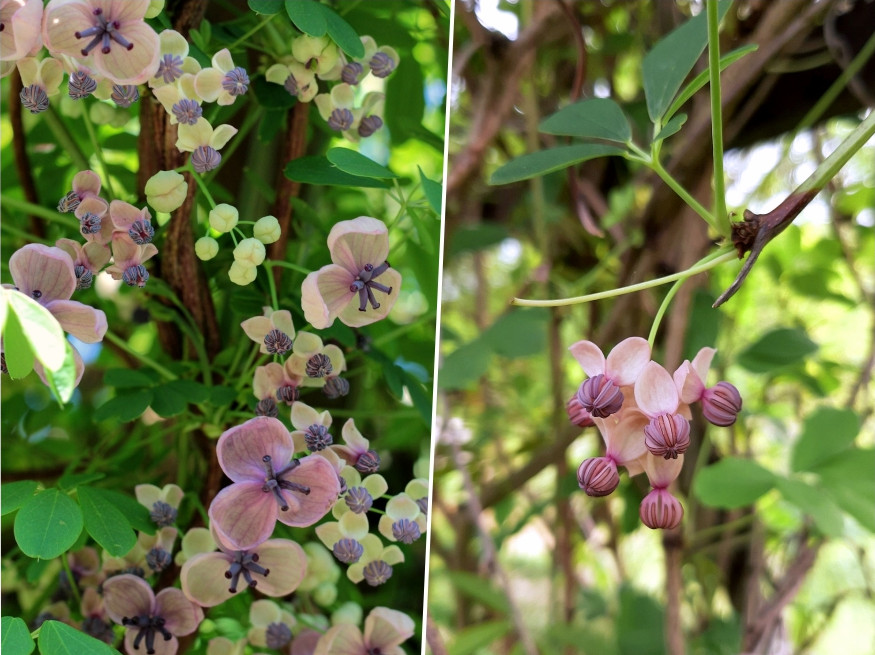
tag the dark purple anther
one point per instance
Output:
(288, 393)
(406, 531)
(245, 564)
(187, 111)
(335, 387)
(141, 232)
(317, 437)
(136, 276)
(422, 504)
(340, 119)
(169, 68)
(84, 277)
(348, 551)
(103, 33)
(366, 282)
(368, 462)
(236, 81)
(352, 73)
(369, 125)
(277, 636)
(80, 85)
(37, 294)
(358, 499)
(598, 476)
(277, 342)
(667, 435)
(318, 366)
(90, 223)
(599, 396)
(377, 572)
(124, 95)
(205, 158)
(275, 484)
(291, 85)
(721, 404)
(147, 626)
(163, 514)
(382, 64)
(34, 99)
(69, 202)
(267, 407)
(158, 559)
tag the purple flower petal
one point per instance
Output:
(287, 563)
(127, 595)
(82, 321)
(363, 240)
(162, 647)
(43, 273)
(319, 475)
(244, 515)
(242, 448)
(181, 616)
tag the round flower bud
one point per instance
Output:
(155, 8)
(223, 217)
(600, 397)
(721, 404)
(348, 614)
(242, 273)
(267, 229)
(325, 594)
(667, 435)
(660, 510)
(598, 476)
(577, 414)
(249, 252)
(206, 248)
(166, 191)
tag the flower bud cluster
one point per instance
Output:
(643, 414)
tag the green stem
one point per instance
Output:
(201, 184)
(148, 361)
(71, 580)
(300, 269)
(720, 214)
(264, 21)
(92, 136)
(840, 156)
(22, 234)
(248, 123)
(724, 254)
(39, 210)
(65, 141)
(271, 283)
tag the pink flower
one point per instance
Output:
(128, 259)
(20, 36)
(385, 631)
(345, 289)
(660, 510)
(356, 450)
(86, 184)
(121, 45)
(720, 403)
(601, 393)
(152, 621)
(623, 434)
(268, 485)
(598, 476)
(223, 82)
(135, 223)
(668, 432)
(88, 259)
(94, 224)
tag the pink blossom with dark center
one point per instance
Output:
(720, 403)
(668, 433)
(601, 394)
(660, 510)
(385, 631)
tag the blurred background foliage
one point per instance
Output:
(776, 552)
(390, 363)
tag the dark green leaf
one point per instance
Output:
(193, 392)
(433, 192)
(421, 399)
(56, 638)
(307, 16)
(73, 480)
(125, 407)
(827, 431)
(222, 395)
(672, 127)
(105, 523)
(542, 162)
(732, 482)
(640, 624)
(16, 350)
(464, 365)
(271, 124)
(135, 514)
(126, 378)
(518, 333)
(472, 639)
(14, 494)
(272, 96)
(266, 7)
(355, 163)
(342, 33)
(16, 638)
(318, 170)
(814, 503)
(405, 104)
(47, 524)
(596, 118)
(167, 402)
(776, 349)
(478, 237)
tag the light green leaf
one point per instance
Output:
(63, 381)
(16, 638)
(433, 192)
(815, 503)
(125, 407)
(542, 162)
(732, 482)
(595, 118)
(41, 329)
(135, 514)
(14, 494)
(56, 638)
(318, 170)
(672, 127)
(776, 349)
(355, 163)
(307, 16)
(472, 639)
(518, 333)
(464, 365)
(16, 349)
(47, 524)
(827, 431)
(106, 524)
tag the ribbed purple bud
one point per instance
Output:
(600, 397)
(368, 462)
(335, 387)
(317, 437)
(667, 435)
(660, 510)
(267, 407)
(90, 223)
(69, 202)
(352, 73)
(96, 627)
(205, 158)
(318, 366)
(169, 68)
(80, 85)
(406, 531)
(187, 111)
(577, 414)
(236, 81)
(163, 514)
(721, 404)
(141, 232)
(598, 476)
(348, 550)
(288, 393)
(158, 559)
(377, 572)
(35, 99)
(277, 342)
(422, 504)
(136, 276)
(382, 64)
(84, 277)
(124, 95)
(369, 125)
(340, 119)
(358, 499)
(277, 636)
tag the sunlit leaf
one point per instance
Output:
(16, 639)
(542, 162)
(732, 482)
(776, 349)
(813, 502)
(827, 431)
(595, 118)
(433, 192)
(318, 170)
(56, 638)
(47, 524)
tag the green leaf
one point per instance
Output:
(272, 96)
(671, 60)
(125, 407)
(342, 33)
(193, 392)
(167, 402)
(16, 638)
(464, 365)
(47, 524)
(56, 638)
(41, 329)
(640, 624)
(827, 431)
(266, 7)
(776, 349)
(477, 237)
(405, 105)
(355, 163)
(318, 170)
(519, 333)
(135, 514)
(221, 396)
(71, 481)
(433, 192)
(474, 586)
(16, 349)
(672, 127)
(542, 162)
(815, 503)
(307, 16)
(63, 381)
(732, 482)
(14, 494)
(471, 640)
(595, 118)
(126, 378)
(105, 523)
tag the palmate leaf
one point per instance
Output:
(733, 482)
(16, 638)
(596, 118)
(535, 164)
(47, 524)
(56, 638)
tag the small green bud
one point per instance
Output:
(325, 594)
(242, 273)
(223, 217)
(206, 248)
(166, 191)
(348, 613)
(267, 229)
(101, 113)
(249, 252)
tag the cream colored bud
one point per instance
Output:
(155, 8)
(325, 594)
(223, 218)
(206, 248)
(267, 229)
(166, 191)
(249, 252)
(242, 273)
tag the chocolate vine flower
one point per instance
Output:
(86, 184)
(121, 46)
(94, 223)
(346, 289)
(356, 450)
(173, 61)
(204, 143)
(128, 259)
(668, 432)
(223, 82)
(720, 403)
(271, 625)
(403, 521)
(162, 503)
(295, 78)
(180, 100)
(360, 492)
(20, 36)
(88, 259)
(345, 537)
(376, 562)
(135, 223)
(311, 428)
(601, 394)
(39, 79)
(273, 332)
(153, 621)
(385, 631)
(268, 484)
(317, 53)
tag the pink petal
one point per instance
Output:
(49, 270)
(127, 595)
(353, 438)
(82, 321)
(655, 391)
(61, 20)
(316, 473)
(203, 579)
(623, 434)
(363, 240)
(662, 472)
(702, 362)
(126, 10)
(315, 311)
(342, 639)
(124, 214)
(22, 28)
(589, 356)
(133, 66)
(181, 616)
(305, 642)
(243, 515)
(287, 563)
(626, 360)
(256, 328)
(267, 380)
(350, 314)
(124, 250)
(688, 381)
(86, 183)
(241, 449)
(169, 647)
(97, 255)
(386, 628)
(324, 294)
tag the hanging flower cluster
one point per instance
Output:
(643, 414)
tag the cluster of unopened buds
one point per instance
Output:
(643, 414)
